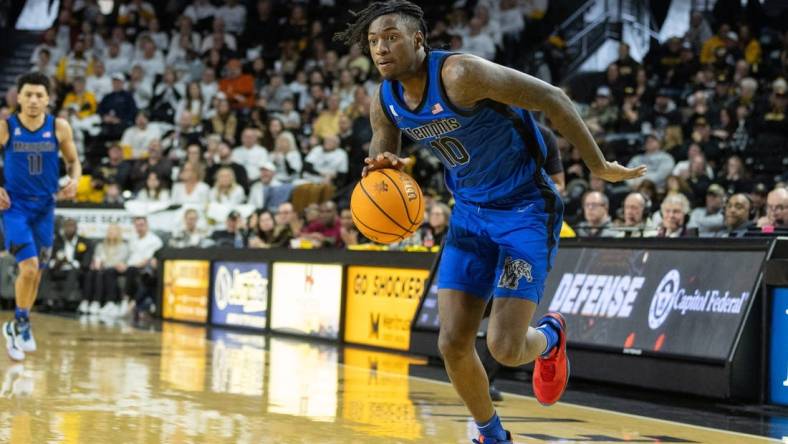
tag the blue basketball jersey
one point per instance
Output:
(492, 154)
(32, 159)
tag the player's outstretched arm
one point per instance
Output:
(68, 150)
(469, 79)
(386, 140)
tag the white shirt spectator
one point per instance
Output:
(200, 9)
(199, 196)
(481, 45)
(119, 64)
(54, 53)
(143, 248)
(152, 66)
(176, 39)
(250, 158)
(209, 90)
(99, 86)
(234, 18)
(144, 196)
(257, 194)
(229, 42)
(326, 162)
(235, 197)
(139, 139)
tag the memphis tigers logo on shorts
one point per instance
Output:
(513, 271)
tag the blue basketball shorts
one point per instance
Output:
(30, 228)
(501, 252)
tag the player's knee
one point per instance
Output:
(506, 350)
(28, 268)
(454, 344)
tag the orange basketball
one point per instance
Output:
(387, 206)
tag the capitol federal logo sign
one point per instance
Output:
(248, 289)
(670, 297)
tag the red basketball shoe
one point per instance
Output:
(551, 373)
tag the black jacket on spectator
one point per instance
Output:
(83, 253)
(122, 104)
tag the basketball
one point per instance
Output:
(387, 206)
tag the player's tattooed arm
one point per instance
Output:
(386, 140)
(68, 150)
(469, 79)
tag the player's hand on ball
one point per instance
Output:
(615, 172)
(68, 191)
(385, 160)
(5, 201)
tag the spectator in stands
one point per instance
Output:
(71, 255)
(348, 231)
(699, 31)
(735, 178)
(286, 158)
(191, 189)
(192, 103)
(603, 112)
(117, 109)
(102, 280)
(200, 12)
(433, 233)
(226, 190)
(114, 167)
(84, 102)
(718, 40)
(675, 214)
(263, 233)
(659, 163)
(268, 193)
(154, 190)
(250, 154)
(99, 83)
(233, 15)
(737, 216)
(664, 114)
(776, 211)
(141, 273)
(596, 207)
(327, 123)
(44, 64)
(276, 93)
(477, 42)
(113, 194)
(191, 235)
(637, 223)
(237, 86)
(677, 185)
(137, 139)
(167, 94)
(150, 59)
(76, 64)
(224, 121)
(49, 45)
(154, 162)
(232, 236)
(115, 61)
(708, 220)
(327, 163)
(325, 231)
(291, 119)
(287, 218)
(225, 159)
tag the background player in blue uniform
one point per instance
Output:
(505, 224)
(32, 142)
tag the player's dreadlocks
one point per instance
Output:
(356, 32)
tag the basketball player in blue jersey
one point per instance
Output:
(32, 142)
(504, 228)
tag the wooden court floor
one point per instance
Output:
(96, 383)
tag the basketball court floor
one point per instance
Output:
(96, 383)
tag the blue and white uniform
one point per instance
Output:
(504, 229)
(32, 170)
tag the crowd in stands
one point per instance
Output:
(254, 123)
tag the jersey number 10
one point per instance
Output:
(35, 164)
(451, 150)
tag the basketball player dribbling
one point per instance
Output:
(32, 142)
(504, 229)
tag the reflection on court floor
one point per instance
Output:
(94, 383)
